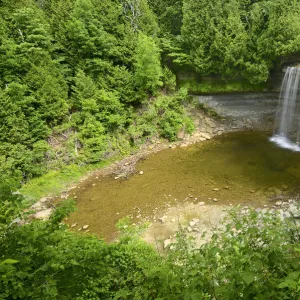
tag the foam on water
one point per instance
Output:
(287, 121)
(284, 142)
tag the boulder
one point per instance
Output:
(205, 135)
(43, 214)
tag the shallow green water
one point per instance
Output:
(238, 168)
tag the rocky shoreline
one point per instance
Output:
(205, 129)
(198, 222)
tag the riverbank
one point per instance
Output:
(43, 190)
(107, 191)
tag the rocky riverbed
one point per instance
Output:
(198, 222)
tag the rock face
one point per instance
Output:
(252, 110)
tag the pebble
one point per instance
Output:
(189, 229)
(85, 227)
(278, 203)
(192, 223)
(167, 243)
(162, 220)
(216, 189)
(73, 225)
(201, 203)
(141, 172)
(215, 200)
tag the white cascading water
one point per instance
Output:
(287, 122)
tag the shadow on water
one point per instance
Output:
(237, 168)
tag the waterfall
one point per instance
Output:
(287, 122)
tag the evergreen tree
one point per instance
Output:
(148, 71)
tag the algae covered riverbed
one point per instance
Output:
(236, 168)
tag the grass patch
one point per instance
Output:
(56, 181)
(195, 87)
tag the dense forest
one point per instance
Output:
(82, 81)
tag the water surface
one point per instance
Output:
(237, 168)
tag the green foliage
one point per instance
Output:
(169, 79)
(169, 14)
(195, 86)
(164, 116)
(253, 256)
(148, 71)
(53, 182)
(80, 82)
(42, 260)
(237, 37)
